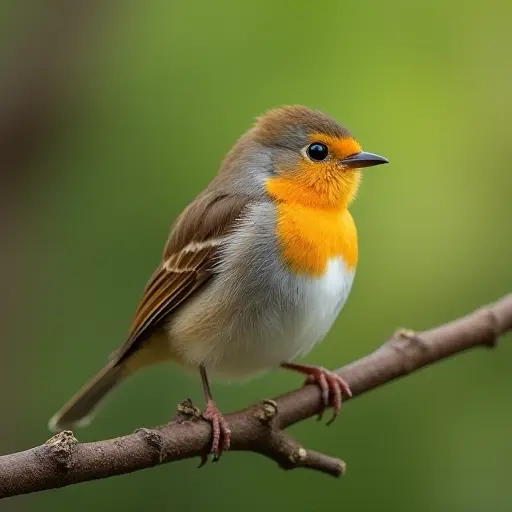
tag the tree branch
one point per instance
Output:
(62, 460)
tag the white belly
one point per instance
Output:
(255, 313)
(277, 323)
(319, 303)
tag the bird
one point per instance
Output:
(255, 270)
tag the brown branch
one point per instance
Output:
(63, 461)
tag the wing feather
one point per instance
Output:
(188, 263)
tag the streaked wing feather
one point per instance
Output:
(165, 292)
(188, 263)
(169, 282)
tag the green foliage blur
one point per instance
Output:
(166, 89)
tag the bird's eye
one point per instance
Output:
(317, 151)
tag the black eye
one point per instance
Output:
(318, 151)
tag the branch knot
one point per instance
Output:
(267, 412)
(154, 439)
(187, 411)
(494, 327)
(61, 447)
(298, 456)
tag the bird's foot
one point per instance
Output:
(331, 385)
(221, 435)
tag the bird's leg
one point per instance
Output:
(331, 385)
(221, 435)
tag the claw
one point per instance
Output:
(204, 460)
(221, 435)
(331, 385)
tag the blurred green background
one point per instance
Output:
(160, 91)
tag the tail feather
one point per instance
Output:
(80, 409)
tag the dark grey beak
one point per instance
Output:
(363, 159)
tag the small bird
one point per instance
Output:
(256, 269)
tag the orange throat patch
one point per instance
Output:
(310, 238)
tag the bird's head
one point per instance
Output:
(301, 155)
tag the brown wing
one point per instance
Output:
(187, 264)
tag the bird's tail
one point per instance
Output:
(80, 409)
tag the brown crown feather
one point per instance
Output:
(278, 124)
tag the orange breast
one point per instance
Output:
(310, 237)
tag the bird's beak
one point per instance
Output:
(363, 159)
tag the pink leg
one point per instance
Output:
(331, 385)
(221, 435)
